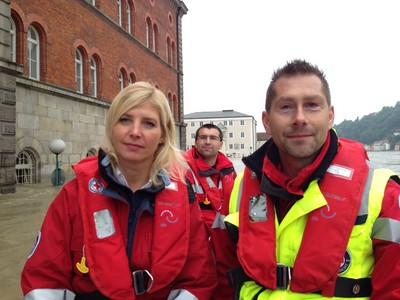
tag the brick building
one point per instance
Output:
(62, 63)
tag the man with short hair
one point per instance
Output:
(316, 218)
(212, 176)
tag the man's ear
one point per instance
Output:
(331, 116)
(265, 121)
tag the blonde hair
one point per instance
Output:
(167, 157)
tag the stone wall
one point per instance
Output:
(8, 73)
(45, 112)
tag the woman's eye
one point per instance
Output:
(124, 120)
(149, 123)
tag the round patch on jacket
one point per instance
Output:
(345, 265)
(95, 186)
(35, 244)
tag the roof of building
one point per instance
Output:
(262, 136)
(226, 113)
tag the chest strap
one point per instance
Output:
(142, 281)
(344, 287)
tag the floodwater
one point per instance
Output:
(22, 213)
(386, 159)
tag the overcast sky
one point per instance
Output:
(231, 48)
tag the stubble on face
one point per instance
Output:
(300, 117)
(208, 149)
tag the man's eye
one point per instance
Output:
(285, 107)
(312, 106)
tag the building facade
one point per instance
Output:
(262, 137)
(61, 65)
(240, 137)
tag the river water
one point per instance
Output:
(387, 159)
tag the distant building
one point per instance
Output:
(382, 145)
(262, 137)
(240, 138)
(62, 62)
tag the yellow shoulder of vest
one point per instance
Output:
(233, 219)
(234, 200)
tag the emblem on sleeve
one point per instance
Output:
(35, 244)
(95, 186)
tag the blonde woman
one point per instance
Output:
(127, 226)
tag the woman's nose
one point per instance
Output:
(135, 130)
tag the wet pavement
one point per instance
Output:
(21, 215)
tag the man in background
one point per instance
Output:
(212, 176)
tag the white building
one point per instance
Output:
(262, 137)
(240, 137)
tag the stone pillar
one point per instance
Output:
(8, 72)
(182, 10)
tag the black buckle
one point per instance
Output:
(283, 276)
(142, 281)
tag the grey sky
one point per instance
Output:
(230, 51)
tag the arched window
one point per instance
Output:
(121, 80)
(132, 78)
(173, 54)
(119, 12)
(128, 17)
(13, 45)
(155, 33)
(33, 53)
(78, 71)
(168, 50)
(171, 104)
(148, 33)
(93, 77)
(24, 167)
(91, 152)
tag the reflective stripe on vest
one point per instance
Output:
(236, 194)
(198, 189)
(383, 228)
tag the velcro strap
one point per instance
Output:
(237, 277)
(351, 288)
(92, 295)
(345, 287)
